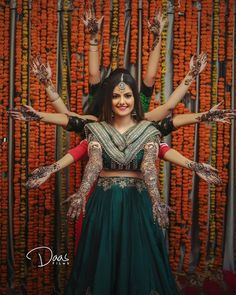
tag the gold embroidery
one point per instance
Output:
(107, 182)
(148, 168)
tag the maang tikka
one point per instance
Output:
(122, 84)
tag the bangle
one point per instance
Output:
(55, 99)
(93, 50)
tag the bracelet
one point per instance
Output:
(93, 50)
(55, 99)
(93, 44)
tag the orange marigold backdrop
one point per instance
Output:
(53, 29)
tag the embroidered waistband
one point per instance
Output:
(122, 182)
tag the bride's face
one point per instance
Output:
(122, 101)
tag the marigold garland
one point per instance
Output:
(4, 103)
(214, 87)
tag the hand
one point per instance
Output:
(40, 175)
(206, 172)
(76, 204)
(197, 65)
(91, 23)
(25, 113)
(42, 72)
(216, 115)
(157, 27)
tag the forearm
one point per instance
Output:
(153, 64)
(187, 119)
(177, 158)
(91, 172)
(65, 161)
(164, 110)
(94, 60)
(57, 119)
(55, 99)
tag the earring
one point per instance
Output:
(133, 114)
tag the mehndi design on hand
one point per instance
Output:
(40, 175)
(92, 24)
(25, 113)
(42, 72)
(91, 172)
(206, 172)
(156, 27)
(197, 64)
(148, 168)
(216, 115)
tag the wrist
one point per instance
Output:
(54, 167)
(94, 39)
(188, 79)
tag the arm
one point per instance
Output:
(40, 175)
(91, 172)
(93, 26)
(27, 113)
(213, 115)
(204, 171)
(156, 29)
(149, 171)
(197, 64)
(44, 74)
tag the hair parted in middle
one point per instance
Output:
(107, 89)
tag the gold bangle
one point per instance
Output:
(55, 99)
(93, 50)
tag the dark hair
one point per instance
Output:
(107, 89)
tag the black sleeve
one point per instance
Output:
(165, 126)
(77, 124)
(146, 90)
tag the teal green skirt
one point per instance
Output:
(121, 250)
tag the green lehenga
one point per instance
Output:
(121, 250)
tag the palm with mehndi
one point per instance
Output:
(206, 172)
(25, 113)
(40, 175)
(42, 72)
(156, 27)
(91, 23)
(217, 115)
(197, 65)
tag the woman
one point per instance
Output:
(122, 249)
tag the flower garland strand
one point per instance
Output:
(204, 133)
(214, 133)
(134, 32)
(114, 34)
(4, 90)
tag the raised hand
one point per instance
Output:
(40, 175)
(156, 27)
(25, 113)
(41, 71)
(206, 172)
(91, 23)
(216, 115)
(197, 65)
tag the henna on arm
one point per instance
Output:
(25, 113)
(205, 171)
(41, 174)
(196, 64)
(91, 172)
(148, 168)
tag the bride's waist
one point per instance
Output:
(121, 173)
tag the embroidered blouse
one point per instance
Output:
(77, 125)
(122, 151)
